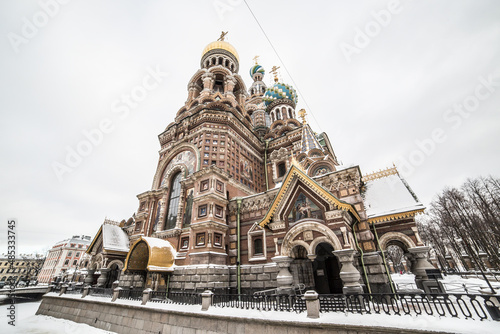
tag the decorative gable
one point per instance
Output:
(296, 183)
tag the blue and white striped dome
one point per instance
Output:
(257, 69)
(280, 91)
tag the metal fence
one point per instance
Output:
(130, 294)
(459, 305)
(104, 292)
(292, 303)
(77, 290)
(444, 305)
(183, 298)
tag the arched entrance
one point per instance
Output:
(301, 268)
(113, 275)
(326, 270)
(149, 260)
(416, 256)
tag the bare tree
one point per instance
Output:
(464, 222)
(395, 254)
(34, 264)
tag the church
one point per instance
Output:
(247, 198)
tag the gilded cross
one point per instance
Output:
(222, 35)
(255, 59)
(274, 71)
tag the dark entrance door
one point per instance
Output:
(112, 276)
(326, 270)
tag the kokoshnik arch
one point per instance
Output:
(248, 197)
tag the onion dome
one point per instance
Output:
(221, 45)
(257, 69)
(280, 91)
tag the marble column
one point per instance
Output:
(348, 273)
(89, 279)
(101, 281)
(419, 264)
(284, 278)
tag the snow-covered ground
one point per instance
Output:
(28, 322)
(452, 283)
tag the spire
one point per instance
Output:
(309, 140)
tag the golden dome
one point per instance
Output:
(221, 45)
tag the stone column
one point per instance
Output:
(86, 291)
(101, 281)
(146, 295)
(64, 288)
(284, 278)
(420, 264)
(116, 293)
(90, 277)
(208, 83)
(312, 304)
(348, 273)
(230, 82)
(206, 300)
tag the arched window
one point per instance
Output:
(257, 246)
(281, 169)
(173, 202)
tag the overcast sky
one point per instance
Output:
(384, 80)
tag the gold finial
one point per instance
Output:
(255, 59)
(302, 114)
(222, 35)
(274, 71)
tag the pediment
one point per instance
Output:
(314, 199)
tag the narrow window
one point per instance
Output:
(257, 246)
(173, 202)
(281, 169)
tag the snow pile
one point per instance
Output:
(114, 238)
(27, 322)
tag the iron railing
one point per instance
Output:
(183, 298)
(103, 292)
(77, 290)
(56, 288)
(444, 305)
(292, 303)
(130, 294)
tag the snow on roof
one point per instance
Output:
(114, 238)
(160, 243)
(388, 195)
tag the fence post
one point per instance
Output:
(116, 293)
(312, 304)
(206, 299)
(63, 289)
(86, 291)
(145, 296)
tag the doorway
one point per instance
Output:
(326, 270)
(112, 275)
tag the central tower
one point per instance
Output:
(244, 190)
